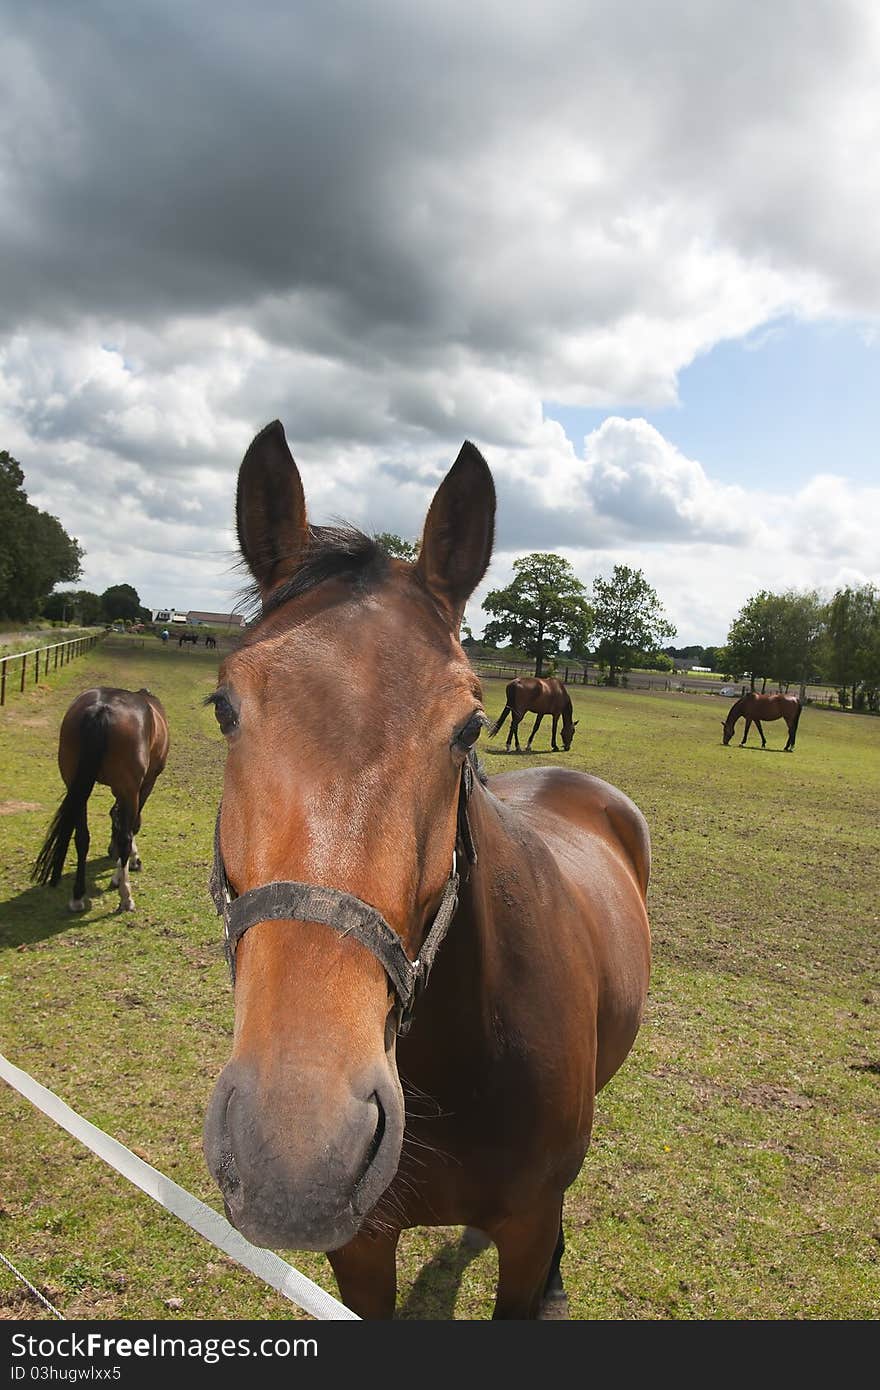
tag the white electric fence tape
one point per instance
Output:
(202, 1218)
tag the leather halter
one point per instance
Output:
(286, 900)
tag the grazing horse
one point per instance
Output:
(754, 708)
(118, 738)
(362, 1097)
(539, 695)
(192, 637)
(210, 641)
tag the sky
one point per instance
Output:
(630, 250)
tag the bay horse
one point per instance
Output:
(120, 739)
(538, 695)
(755, 707)
(358, 847)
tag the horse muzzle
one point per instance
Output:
(301, 1167)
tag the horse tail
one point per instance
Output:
(93, 734)
(490, 733)
(797, 716)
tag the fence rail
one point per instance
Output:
(56, 654)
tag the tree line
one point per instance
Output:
(789, 638)
(37, 554)
(792, 638)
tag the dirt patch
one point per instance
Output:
(9, 808)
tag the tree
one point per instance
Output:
(121, 601)
(78, 606)
(396, 545)
(36, 553)
(752, 640)
(544, 606)
(628, 619)
(853, 618)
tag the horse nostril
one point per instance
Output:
(379, 1133)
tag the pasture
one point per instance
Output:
(735, 1162)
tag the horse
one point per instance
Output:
(755, 707)
(541, 695)
(434, 972)
(192, 637)
(120, 739)
(210, 641)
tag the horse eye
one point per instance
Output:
(225, 714)
(468, 736)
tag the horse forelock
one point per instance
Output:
(333, 552)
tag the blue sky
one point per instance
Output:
(787, 402)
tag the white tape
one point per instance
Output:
(202, 1218)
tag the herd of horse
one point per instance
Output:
(434, 971)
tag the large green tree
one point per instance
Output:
(853, 618)
(544, 607)
(36, 552)
(122, 601)
(628, 619)
(753, 639)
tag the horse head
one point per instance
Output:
(349, 711)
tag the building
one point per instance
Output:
(168, 615)
(195, 617)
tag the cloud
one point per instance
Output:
(397, 226)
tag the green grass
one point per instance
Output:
(735, 1165)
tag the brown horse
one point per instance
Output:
(118, 738)
(754, 708)
(539, 695)
(357, 846)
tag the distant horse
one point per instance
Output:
(210, 641)
(754, 708)
(537, 695)
(363, 1097)
(187, 637)
(118, 738)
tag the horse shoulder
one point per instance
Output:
(574, 812)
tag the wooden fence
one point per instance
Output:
(42, 658)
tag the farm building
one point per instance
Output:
(195, 616)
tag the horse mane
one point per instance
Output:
(332, 552)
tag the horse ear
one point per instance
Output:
(270, 509)
(459, 531)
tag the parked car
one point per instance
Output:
(729, 690)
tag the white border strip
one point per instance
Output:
(209, 1223)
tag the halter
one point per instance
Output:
(285, 900)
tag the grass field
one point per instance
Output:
(735, 1167)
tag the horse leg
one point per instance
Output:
(135, 863)
(761, 732)
(515, 720)
(534, 731)
(745, 733)
(366, 1273)
(554, 1305)
(553, 744)
(81, 839)
(126, 819)
(527, 1246)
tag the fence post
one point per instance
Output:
(3, 682)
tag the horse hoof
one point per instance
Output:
(135, 865)
(554, 1308)
(472, 1238)
(77, 904)
(126, 906)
